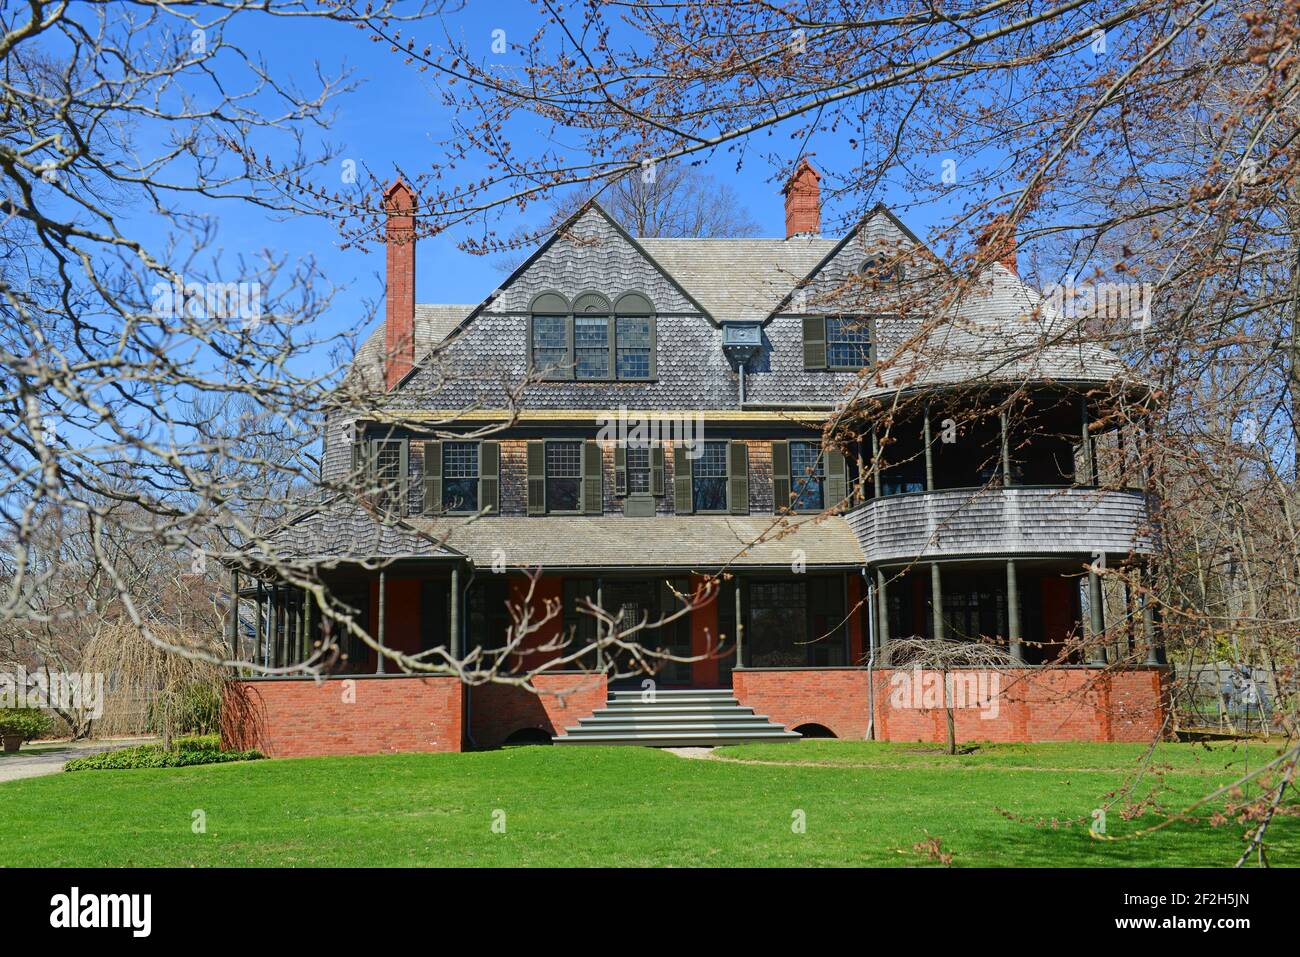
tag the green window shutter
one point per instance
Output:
(432, 478)
(683, 504)
(620, 470)
(537, 477)
(814, 342)
(738, 478)
(780, 476)
(837, 478)
(489, 477)
(359, 462)
(656, 470)
(593, 491)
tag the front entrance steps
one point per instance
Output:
(704, 718)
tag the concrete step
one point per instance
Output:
(726, 717)
(667, 739)
(683, 727)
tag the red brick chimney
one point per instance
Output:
(1001, 235)
(399, 315)
(803, 204)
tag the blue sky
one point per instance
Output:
(395, 119)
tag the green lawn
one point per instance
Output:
(631, 806)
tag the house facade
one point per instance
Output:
(751, 438)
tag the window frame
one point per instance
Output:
(797, 482)
(725, 479)
(477, 479)
(864, 324)
(546, 474)
(631, 305)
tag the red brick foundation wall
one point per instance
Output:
(1016, 704)
(498, 711)
(362, 714)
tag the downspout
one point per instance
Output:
(464, 644)
(871, 656)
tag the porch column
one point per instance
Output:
(304, 611)
(1148, 621)
(383, 620)
(740, 626)
(875, 459)
(882, 617)
(861, 492)
(453, 639)
(600, 603)
(259, 605)
(1096, 611)
(277, 632)
(1014, 643)
(1085, 450)
(929, 451)
(232, 621)
(1006, 449)
(936, 600)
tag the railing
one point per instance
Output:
(1020, 520)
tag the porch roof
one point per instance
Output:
(665, 541)
(342, 534)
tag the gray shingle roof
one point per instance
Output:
(1000, 330)
(739, 278)
(433, 323)
(696, 541)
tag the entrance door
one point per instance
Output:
(641, 600)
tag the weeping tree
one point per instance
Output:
(945, 657)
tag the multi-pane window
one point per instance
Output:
(709, 478)
(460, 476)
(638, 470)
(586, 340)
(807, 475)
(563, 476)
(387, 476)
(848, 342)
(551, 344)
(591, 347)
(633, 346)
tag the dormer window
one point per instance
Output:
(589, 341)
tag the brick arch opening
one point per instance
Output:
(523, 736)
(814, 730)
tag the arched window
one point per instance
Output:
(591, 334)
(635, 337)
(550, 338)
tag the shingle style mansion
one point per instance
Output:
(665, 404)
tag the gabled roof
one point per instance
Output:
(433, 323)
(739, 279)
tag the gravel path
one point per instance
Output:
(50, 757)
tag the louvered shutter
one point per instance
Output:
(537, 477)
(837, 478)
(780, 476)
(593, 492)
(738, 478)
(657, 470)
(682, 502)
(814, 342)
(489, 477)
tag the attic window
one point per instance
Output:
(879, 269)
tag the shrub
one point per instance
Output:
(197, 742)
(26, 723)
(155, 756)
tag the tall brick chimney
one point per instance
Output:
(1001, 236)
(399, 296)
(803, 203)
